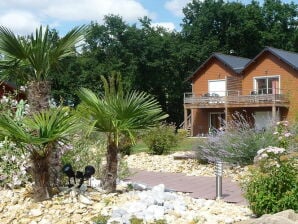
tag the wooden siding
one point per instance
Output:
(214, 70)
(270, 65)
(234, 84)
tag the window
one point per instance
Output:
(267, 85)
(217, 87)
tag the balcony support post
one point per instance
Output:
(274, 112)
(185, 118)
(191, 122)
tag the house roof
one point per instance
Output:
(290, 58)
(235, 63)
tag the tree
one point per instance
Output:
(38, 134)
(35, 56)
(115, 113)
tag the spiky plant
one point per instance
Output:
(116, 113)
(39, 134)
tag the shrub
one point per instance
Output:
(237, 144)
(125, 145)
(14, 161)
(161, 139)
(85, 151)
(272, 185)
(13, 165)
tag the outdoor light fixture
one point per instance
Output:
(218, 173)
(67, 169)
(89, 171)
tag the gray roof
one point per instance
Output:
(288, 57)
(237, 64)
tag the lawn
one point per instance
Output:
(187, 144)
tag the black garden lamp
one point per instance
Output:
(67, 169)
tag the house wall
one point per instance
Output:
(200, 122)
(270, 65)
(213, 70)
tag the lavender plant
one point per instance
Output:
(237, 143)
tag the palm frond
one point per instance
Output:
(115, 114)
(11, 46)
(12, 129)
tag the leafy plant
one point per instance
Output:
(86, 151)
(135, 220)
(100, 219)
(13, 159)
(39, 134)
(161, 139)
(272, 185)
(116, 113)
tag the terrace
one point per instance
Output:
(256, 98)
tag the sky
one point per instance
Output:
(24, 16)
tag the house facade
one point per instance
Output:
(264, 89)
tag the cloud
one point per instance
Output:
(130, 10)
(20, 22)
(22, 15)
(176, 6)
(168, 25)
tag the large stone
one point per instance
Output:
(284, 217)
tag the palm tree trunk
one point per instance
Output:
(111, 168)
(38, 95)
(41, 175)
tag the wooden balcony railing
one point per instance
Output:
(235, 99)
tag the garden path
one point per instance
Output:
(196, 186)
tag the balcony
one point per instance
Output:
(260, 98)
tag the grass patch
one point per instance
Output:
(186, 144)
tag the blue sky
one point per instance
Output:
(23, 16)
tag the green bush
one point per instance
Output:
(237, 144)
(85, 151)
(125, 145)
(272, 185)
(161, 139)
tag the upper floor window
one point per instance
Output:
(267, 85)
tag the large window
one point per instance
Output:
(267, 85)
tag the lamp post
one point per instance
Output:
(218, 173)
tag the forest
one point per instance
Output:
(158, 61)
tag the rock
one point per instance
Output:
(95, 183)
(85, 200)
(139, 187)
(35, 212)
(284, 217)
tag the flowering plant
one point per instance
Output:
(283, 134)
(272, 185)
(270, 156)
(13, 165)
(13, 160)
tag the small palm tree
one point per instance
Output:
(39, 134)
(33, 57)
(116, 113)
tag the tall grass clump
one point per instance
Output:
(237, 143)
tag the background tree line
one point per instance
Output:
(158, 61)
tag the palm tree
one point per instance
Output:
(116, 113)
(35, 56)
(38, 134)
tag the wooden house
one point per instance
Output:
(264, 89)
